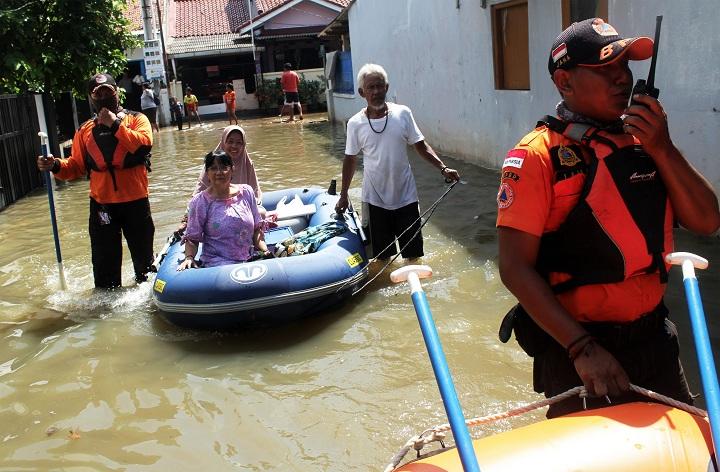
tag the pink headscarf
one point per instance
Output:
(243, 168)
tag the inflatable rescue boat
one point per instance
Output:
(326, 264)
(633, 437)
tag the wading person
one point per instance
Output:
(381, 132)
(290, 82)
(114, 149)
(224, 217)
(149, 104)
(585, 213)
(191, 105)
(229, 99)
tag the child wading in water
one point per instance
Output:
(229, 99)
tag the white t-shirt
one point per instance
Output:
(147, 99)
(388, 180)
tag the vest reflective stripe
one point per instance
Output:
(621, 226)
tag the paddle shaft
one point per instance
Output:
(53, 220)
(443, 377)
(708, 373)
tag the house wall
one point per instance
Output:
(439, 60)
(305, 13)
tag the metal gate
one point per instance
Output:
(19, 128)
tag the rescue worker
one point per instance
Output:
(114, 149)
(585, 217)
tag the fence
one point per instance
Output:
(18, 148)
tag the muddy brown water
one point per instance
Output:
(99, 381)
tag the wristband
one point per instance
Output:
(442, 170)
(56, 166)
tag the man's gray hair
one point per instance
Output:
(370, 69)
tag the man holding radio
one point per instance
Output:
(586, 207)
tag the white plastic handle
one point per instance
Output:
(413, 274)
(688, 261)
(43, 137)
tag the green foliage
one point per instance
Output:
(270, 95)
(57, 45)
(310, 90)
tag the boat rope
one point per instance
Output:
(429, 212)
(438, 433)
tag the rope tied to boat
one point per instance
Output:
(438, 433)
(429, 212)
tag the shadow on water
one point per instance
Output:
(251, 338)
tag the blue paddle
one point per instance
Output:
(53, 220)
(708, 374)
(412, 274)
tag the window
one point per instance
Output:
(578, 10)
(510, 45)
(343, 80)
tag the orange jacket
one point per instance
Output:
(133, 133)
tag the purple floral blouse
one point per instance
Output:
(224, 226)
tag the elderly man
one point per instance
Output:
(585, 214)
(382, 131)
(114, 149)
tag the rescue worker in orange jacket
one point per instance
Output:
(585, 213)
(114, 149)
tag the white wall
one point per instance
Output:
(439, 61)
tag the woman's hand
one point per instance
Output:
(188, 263)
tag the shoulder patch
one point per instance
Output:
(505, 195)
(508, 174)
(515, 158)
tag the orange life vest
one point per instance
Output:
(622, 224)
(104, 154)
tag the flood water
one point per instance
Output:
(99, 381)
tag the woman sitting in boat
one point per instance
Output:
(224, 217)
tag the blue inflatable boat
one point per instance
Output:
(269, 291)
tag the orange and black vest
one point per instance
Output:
(106, 156)
(617, 228)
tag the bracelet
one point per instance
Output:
(580, 347)
(584, 347)
(578, 340)
(442, 170)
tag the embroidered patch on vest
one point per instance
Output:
(567, 156)
(567, 161)
(505, 196)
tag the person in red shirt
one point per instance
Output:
(229, 98)
(585, 216)
(114, 149)
(290, 82)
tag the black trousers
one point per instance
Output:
(107, 224)
(647, 349)
(386, 225)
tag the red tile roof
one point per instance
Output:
(133, 14)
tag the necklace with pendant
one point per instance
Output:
(387, 114)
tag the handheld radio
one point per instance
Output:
(647, 87)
